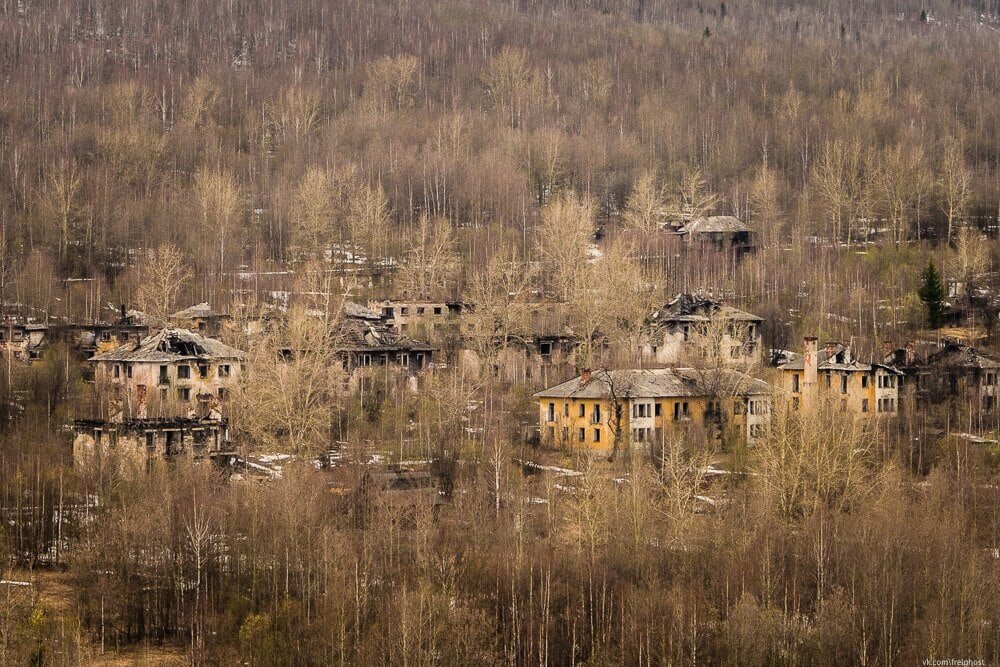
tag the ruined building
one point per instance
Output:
(159, 397)
(692, 326)
(834, 374)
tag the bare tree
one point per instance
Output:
(163, 275)
(313, 209)
(564, 237)
(431, 264)
(218, 199)
(953, 184)
(499, 300)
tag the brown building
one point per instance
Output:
(957, 376)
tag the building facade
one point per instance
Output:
(173, 373)
(692, 326)
(644, 406)
(833, 374)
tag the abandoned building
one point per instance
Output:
(835, 375)
(364, 344)
(173, 373)
(24, 341)
(201, 318)
(646, 405)
(722, 232)
(424, 318)
(692, 326)
(957, 375)
(133, 445)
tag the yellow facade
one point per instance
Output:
(857, 390)
(571, 422)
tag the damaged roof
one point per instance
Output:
(962, 356)
(171, 344)
(357, 311)
(362, 336)
(696, 308)
(836, 358)
(658, 383)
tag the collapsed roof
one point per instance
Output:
(961, 356)
(358, 335)
(696, 308)
(171, 344)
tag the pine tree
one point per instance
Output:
(932, 295)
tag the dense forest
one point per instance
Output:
(158, 154)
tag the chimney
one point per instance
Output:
(585, 377)
(810, 365)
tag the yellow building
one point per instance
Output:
(834, 374)
(642, 406)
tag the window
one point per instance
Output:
(565, 434)
(843, 384)
(403, 359)
(756, 407)
(183, 372)
(128, 370)
(224, 371)
(164, 377)
(828, 380)
(739, 407)
(795, 383)
(864, 381)
(657, 409)
(420, 310)
(552, 433)
(203, 370)
(595, 416)
(163, 394)
(989, 402)
(597, 435)
(864, 405)
(550, 416)
(681, 411)
(184, 394)
(223, 394)
(991, 379)
(735, 351)
(437, 311)
(642, 434)
(583, 410)
(117, 371)
(795, 403)
(642, 410)
(583, 434)
(366, 360)
(404, 310)
(756, 430)
(545, 349)
(565, 409)
(687, 331)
